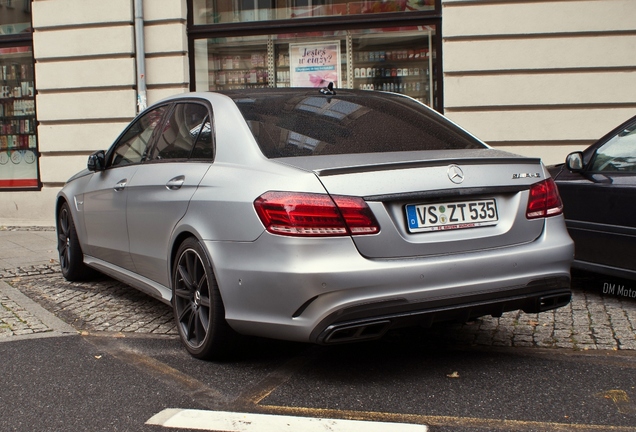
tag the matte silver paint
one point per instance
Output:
(131, 219)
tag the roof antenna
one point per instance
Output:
(328, 90)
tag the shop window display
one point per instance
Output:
(15, 17)
(230, 63)
(228, 11)
(400, 60)
(18, 143)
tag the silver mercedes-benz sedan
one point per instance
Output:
(318, 216)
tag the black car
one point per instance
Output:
(598, 189)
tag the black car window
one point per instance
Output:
(287, 125)
(180, 132)
(203, 149)
(133, 144)
(618, 154)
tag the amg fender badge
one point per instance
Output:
(526, 175)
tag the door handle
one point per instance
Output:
(175, 183)
(121, 184)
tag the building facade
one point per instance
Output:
(540, 78)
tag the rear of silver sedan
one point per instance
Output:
(508, 251)
(441, 229)
(314, 215)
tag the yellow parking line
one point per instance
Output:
(482, 423)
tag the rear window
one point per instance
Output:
(288, 124)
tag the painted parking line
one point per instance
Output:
(244, 422)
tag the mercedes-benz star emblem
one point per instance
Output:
(455, 174)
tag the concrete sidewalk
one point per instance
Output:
(27, 252)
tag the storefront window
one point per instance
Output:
(18, 144)
(15, 17)
(229, 11)
(400, 60)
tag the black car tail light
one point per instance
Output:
(544, 200)
(315, 215)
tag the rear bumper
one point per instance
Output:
(307, 289)
(360, 323)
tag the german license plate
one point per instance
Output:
(451, 216)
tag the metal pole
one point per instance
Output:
(140, 56)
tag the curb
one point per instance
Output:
(25, 319)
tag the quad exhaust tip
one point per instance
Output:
(555, 301)
(356, 332)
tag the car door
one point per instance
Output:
(159, 193)
(104, 203)
(600, 203)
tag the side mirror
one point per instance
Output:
(97, 161)
(574, 162)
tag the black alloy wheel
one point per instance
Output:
(197, 305)
(69, 249)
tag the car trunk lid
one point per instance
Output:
(435, 202)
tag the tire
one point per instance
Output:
(197, 305)
(69, 249)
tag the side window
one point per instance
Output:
(618, 154)
(180, 132)
(204, 147)
(133, 146)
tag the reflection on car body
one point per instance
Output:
(598, 187)
(292, 214)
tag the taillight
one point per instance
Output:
(544, 200)
(314, 215)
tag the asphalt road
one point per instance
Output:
(114, 383)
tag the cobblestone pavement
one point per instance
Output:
(15, 320)
(590, 321)
(36, 270)
(101, 305)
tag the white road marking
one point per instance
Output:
(243, 422)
